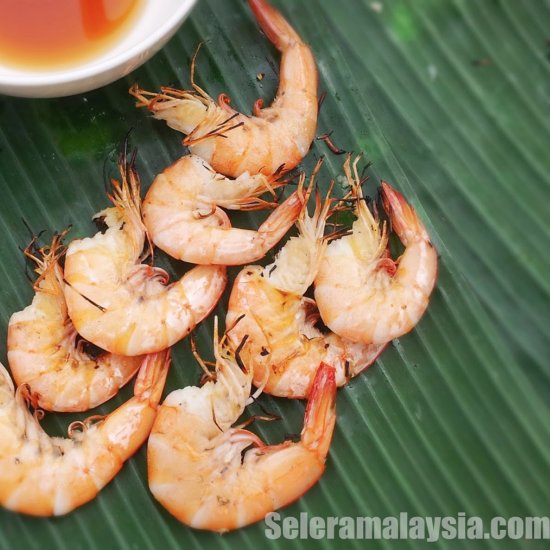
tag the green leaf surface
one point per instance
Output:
(450, 100)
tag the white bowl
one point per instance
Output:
(157, 23)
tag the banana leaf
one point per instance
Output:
(450, 102)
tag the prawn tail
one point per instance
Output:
(369, 354)
(281, 220)
(152, 376)
(404, 219)
(128, 426)
(320, 412)
(277, 29)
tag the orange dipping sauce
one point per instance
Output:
(56, 34)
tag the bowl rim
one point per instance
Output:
(64, 76)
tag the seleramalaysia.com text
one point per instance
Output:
(403, 526)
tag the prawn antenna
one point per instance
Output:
(238, 354)
(364, 177)
(33, 235)
(321, 100)
(219, 131)
(101, 308)
(280, 176)
(326, 137)
(313, 177)
(337, 234)
(205, 365)
(214, 416)
(195, 86)
(347, 370)
(289, 176)
(123, 155)
(27, 274)
(236, 322)
(272, 65)
(268, 415)
(266, 418)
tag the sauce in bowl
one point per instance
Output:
(56, 34)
